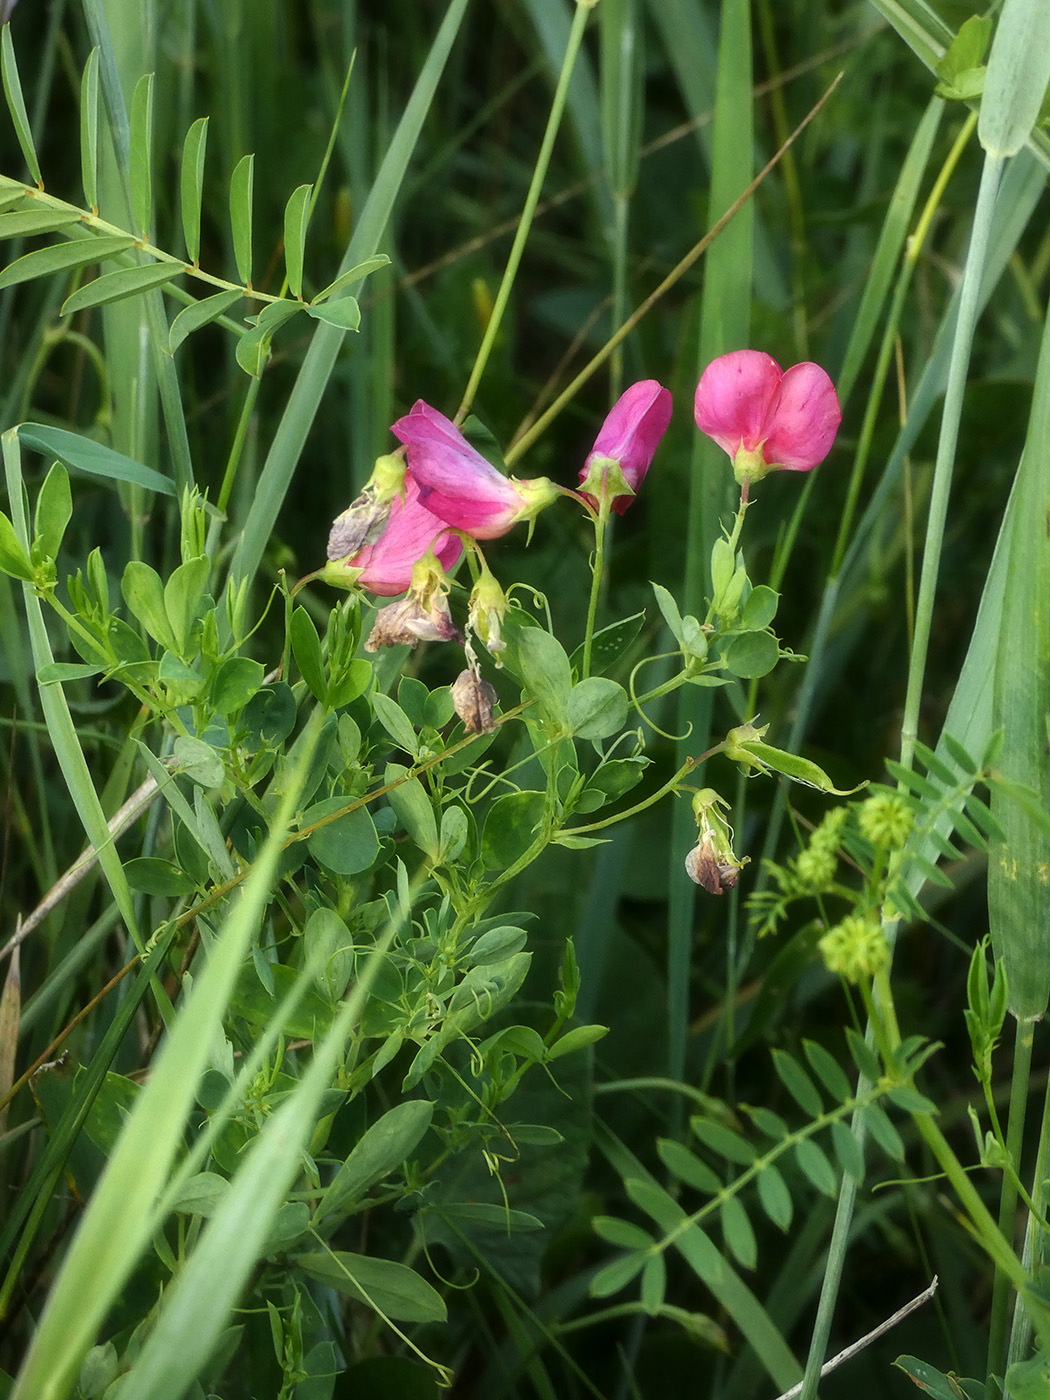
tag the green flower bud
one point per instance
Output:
(856, 948)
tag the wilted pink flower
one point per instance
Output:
(764, 417)
(458, 484)
(628, 438)
(385, 567)
(473, 699)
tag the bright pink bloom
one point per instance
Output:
(386, 566)
(764, 417)
(629, 437)
(457, 484)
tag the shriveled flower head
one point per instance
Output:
(422, 615)
(385, 567)
(458, 484)
(766, 418)
(625, 446)
(365, 519)
(712, 862)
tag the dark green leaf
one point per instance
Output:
(352, 275)
(86, 455)
(344, 313)
(752, 654)
(63, 257)
(775, 1197)
(348, 844)
(191, 185)
(798, 1083)
(723, 1141)
(140, 154)
(125, 282)
(16, 103)
(89, 130)
(813, 1161)
(241, 188)
(31, 221)
(688, 1167)
(596, 708)
(306, 648)
(201, 313)
(828, 1071)
(383, 1148)
(157, 877)
(389, 1287)
(739, 1236)
(296, 218)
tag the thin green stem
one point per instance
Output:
(539, 174)
(1001, 1290)
(1021, 1330)
(601, 526)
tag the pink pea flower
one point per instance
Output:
(385, 567)
(767, 418)
(458, 485)
(628, 439)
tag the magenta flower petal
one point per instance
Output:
(734, 397)
(764, 418)
(456, 482)
(630, 436)
(411, 530)
(805, 419)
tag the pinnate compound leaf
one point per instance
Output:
(191, 185)
(117, 286)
